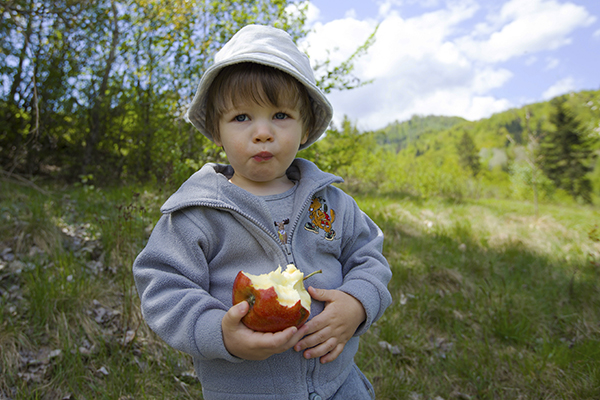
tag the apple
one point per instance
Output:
(277, 300)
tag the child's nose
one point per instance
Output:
(263, 132)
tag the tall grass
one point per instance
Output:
(489, 301)
(70, 324)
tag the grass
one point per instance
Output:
(489, 301)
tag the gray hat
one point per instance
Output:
(267, 46)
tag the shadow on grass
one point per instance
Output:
(472, 320)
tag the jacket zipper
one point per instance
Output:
(285, 247)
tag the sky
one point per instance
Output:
(467, 58)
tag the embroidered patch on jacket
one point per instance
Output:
(321, 217)
(281, 230)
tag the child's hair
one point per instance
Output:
(243, 83)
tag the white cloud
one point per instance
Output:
(563, 86)
(351, 13)
(384, 8)
(336, 40)
(597, 34)
(427, 64)
(552, 62)
(415, 68)
(525, 26)
(488, 78)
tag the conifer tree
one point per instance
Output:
(566, 153)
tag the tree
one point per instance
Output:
(100, 88)
(566, 153)
(468, 154)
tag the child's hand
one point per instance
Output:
(329, 331)
(245, 343)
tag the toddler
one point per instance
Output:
(265, 209)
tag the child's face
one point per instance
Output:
(261, 141)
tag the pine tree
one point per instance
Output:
(567, 153)
(469, 157)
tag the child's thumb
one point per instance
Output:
(237, 312)
(319, 294)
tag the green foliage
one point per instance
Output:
(350, 154)
(96, 93)
(522, 183)
(430, 156)
(100, 88)
(423, 157)
(400, 134)
(566, 152)
(468, 154)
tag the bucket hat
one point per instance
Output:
(268, 46)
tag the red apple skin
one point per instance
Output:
(266, 314)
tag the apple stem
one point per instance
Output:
(312, 273)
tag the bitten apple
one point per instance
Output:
(277, 300)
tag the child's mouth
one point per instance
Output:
(263, 156)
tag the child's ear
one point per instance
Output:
(304, 138)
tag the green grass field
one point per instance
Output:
(489, 301)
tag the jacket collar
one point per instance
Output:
(210, 186)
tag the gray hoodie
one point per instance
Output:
(212, 229)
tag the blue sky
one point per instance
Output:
(468, 58)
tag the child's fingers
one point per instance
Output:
(323, 295)
(333, 354)
(258, 345)
(321, 349)
(283, 340)
(328, 332)
(316, 331)
(235, 314)
(327, 351)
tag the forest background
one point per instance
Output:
(96, 93)
(93, 140)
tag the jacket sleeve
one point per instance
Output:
(365, 269)
(172, 279)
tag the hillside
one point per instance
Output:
(423, 132)
(400, 134)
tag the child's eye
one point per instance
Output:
(281, 115)
(241, 118)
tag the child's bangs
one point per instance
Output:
(256, 84)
